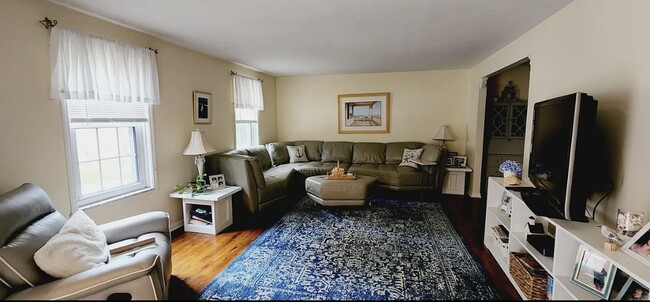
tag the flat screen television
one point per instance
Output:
(560, 162)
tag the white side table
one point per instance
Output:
(454, 182)
(220, 203)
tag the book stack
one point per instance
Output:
(501, 234)
(201, 216)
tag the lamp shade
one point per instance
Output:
(198, 145)
(444, 134)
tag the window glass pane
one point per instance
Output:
(107, 142)
(125, 138)
(243, 135)
(111, 173)
(89, 177)
(129, 170)
(86, 144)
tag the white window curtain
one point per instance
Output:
(248, 93)
(88, 67)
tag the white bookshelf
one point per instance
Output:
(569, 236)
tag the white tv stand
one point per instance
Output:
(569, 235)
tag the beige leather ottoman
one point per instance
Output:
(340, 192)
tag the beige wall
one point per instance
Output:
(598, 47)
(420, 102)
(32, 148)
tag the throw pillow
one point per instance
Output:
(79, 246)
(409, 155)
(297, 154)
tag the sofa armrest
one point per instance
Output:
(134, 226)
(93, 280)
(240, 170)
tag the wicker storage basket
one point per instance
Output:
(529, 275)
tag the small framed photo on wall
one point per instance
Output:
(217, 181)
(202, 107)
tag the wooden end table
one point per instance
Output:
(220, 203)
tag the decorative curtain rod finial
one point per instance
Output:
(154, 50)
(48, 23)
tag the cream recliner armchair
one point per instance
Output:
(28, 220)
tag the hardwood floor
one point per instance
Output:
(198, 258)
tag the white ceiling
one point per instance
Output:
(310, 37)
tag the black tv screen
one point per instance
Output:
(560, 159)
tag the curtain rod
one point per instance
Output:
(51, 23)
(232, 73)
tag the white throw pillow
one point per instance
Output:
(409, 155)
(297, 154)
(79, 246)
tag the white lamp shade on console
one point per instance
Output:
(444, 134)
(198, 147)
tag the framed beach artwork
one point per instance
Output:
(364, 113)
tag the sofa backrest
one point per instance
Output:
(278, 152)
(369, 153)
(395, 151)
(314, 149)
(261, 154)
(27, 221)
(337, 151)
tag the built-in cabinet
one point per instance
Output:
(568, 235)
(509, 119)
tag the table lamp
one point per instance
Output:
(444, 135)
(198, 147)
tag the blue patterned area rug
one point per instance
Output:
(388, 250)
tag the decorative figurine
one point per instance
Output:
(509, 92)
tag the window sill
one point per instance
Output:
(116, 198)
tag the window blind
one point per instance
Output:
(83, 111)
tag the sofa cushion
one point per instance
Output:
(337, 151)
(297, 154)
(277, 183)
(314, 168)
(409, 156)
(79, 246)
(430, 152)
(262, 156)
(314, 149)
(394, 151)
(396, 176)
(365, 169)
(369, 153)
(278, 152)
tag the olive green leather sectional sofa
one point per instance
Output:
(268, 178)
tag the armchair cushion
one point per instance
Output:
(79, 246)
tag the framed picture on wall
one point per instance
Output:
(364, 113)
(202, 107)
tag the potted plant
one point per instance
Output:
(198, 186)
(511, 171)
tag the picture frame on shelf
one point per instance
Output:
(217, 181)
(639, 246)
(593, 272)
(202, 103)
(460, 161)
(364, 113)
(632, 290)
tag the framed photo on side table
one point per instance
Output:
(460, 161)
(593, 272)
(202, 102)
(217, 181)
(639, 246)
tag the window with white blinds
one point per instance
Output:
(110, 148)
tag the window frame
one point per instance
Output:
(244, 121)
(145, 163)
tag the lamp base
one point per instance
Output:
(199, 160)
